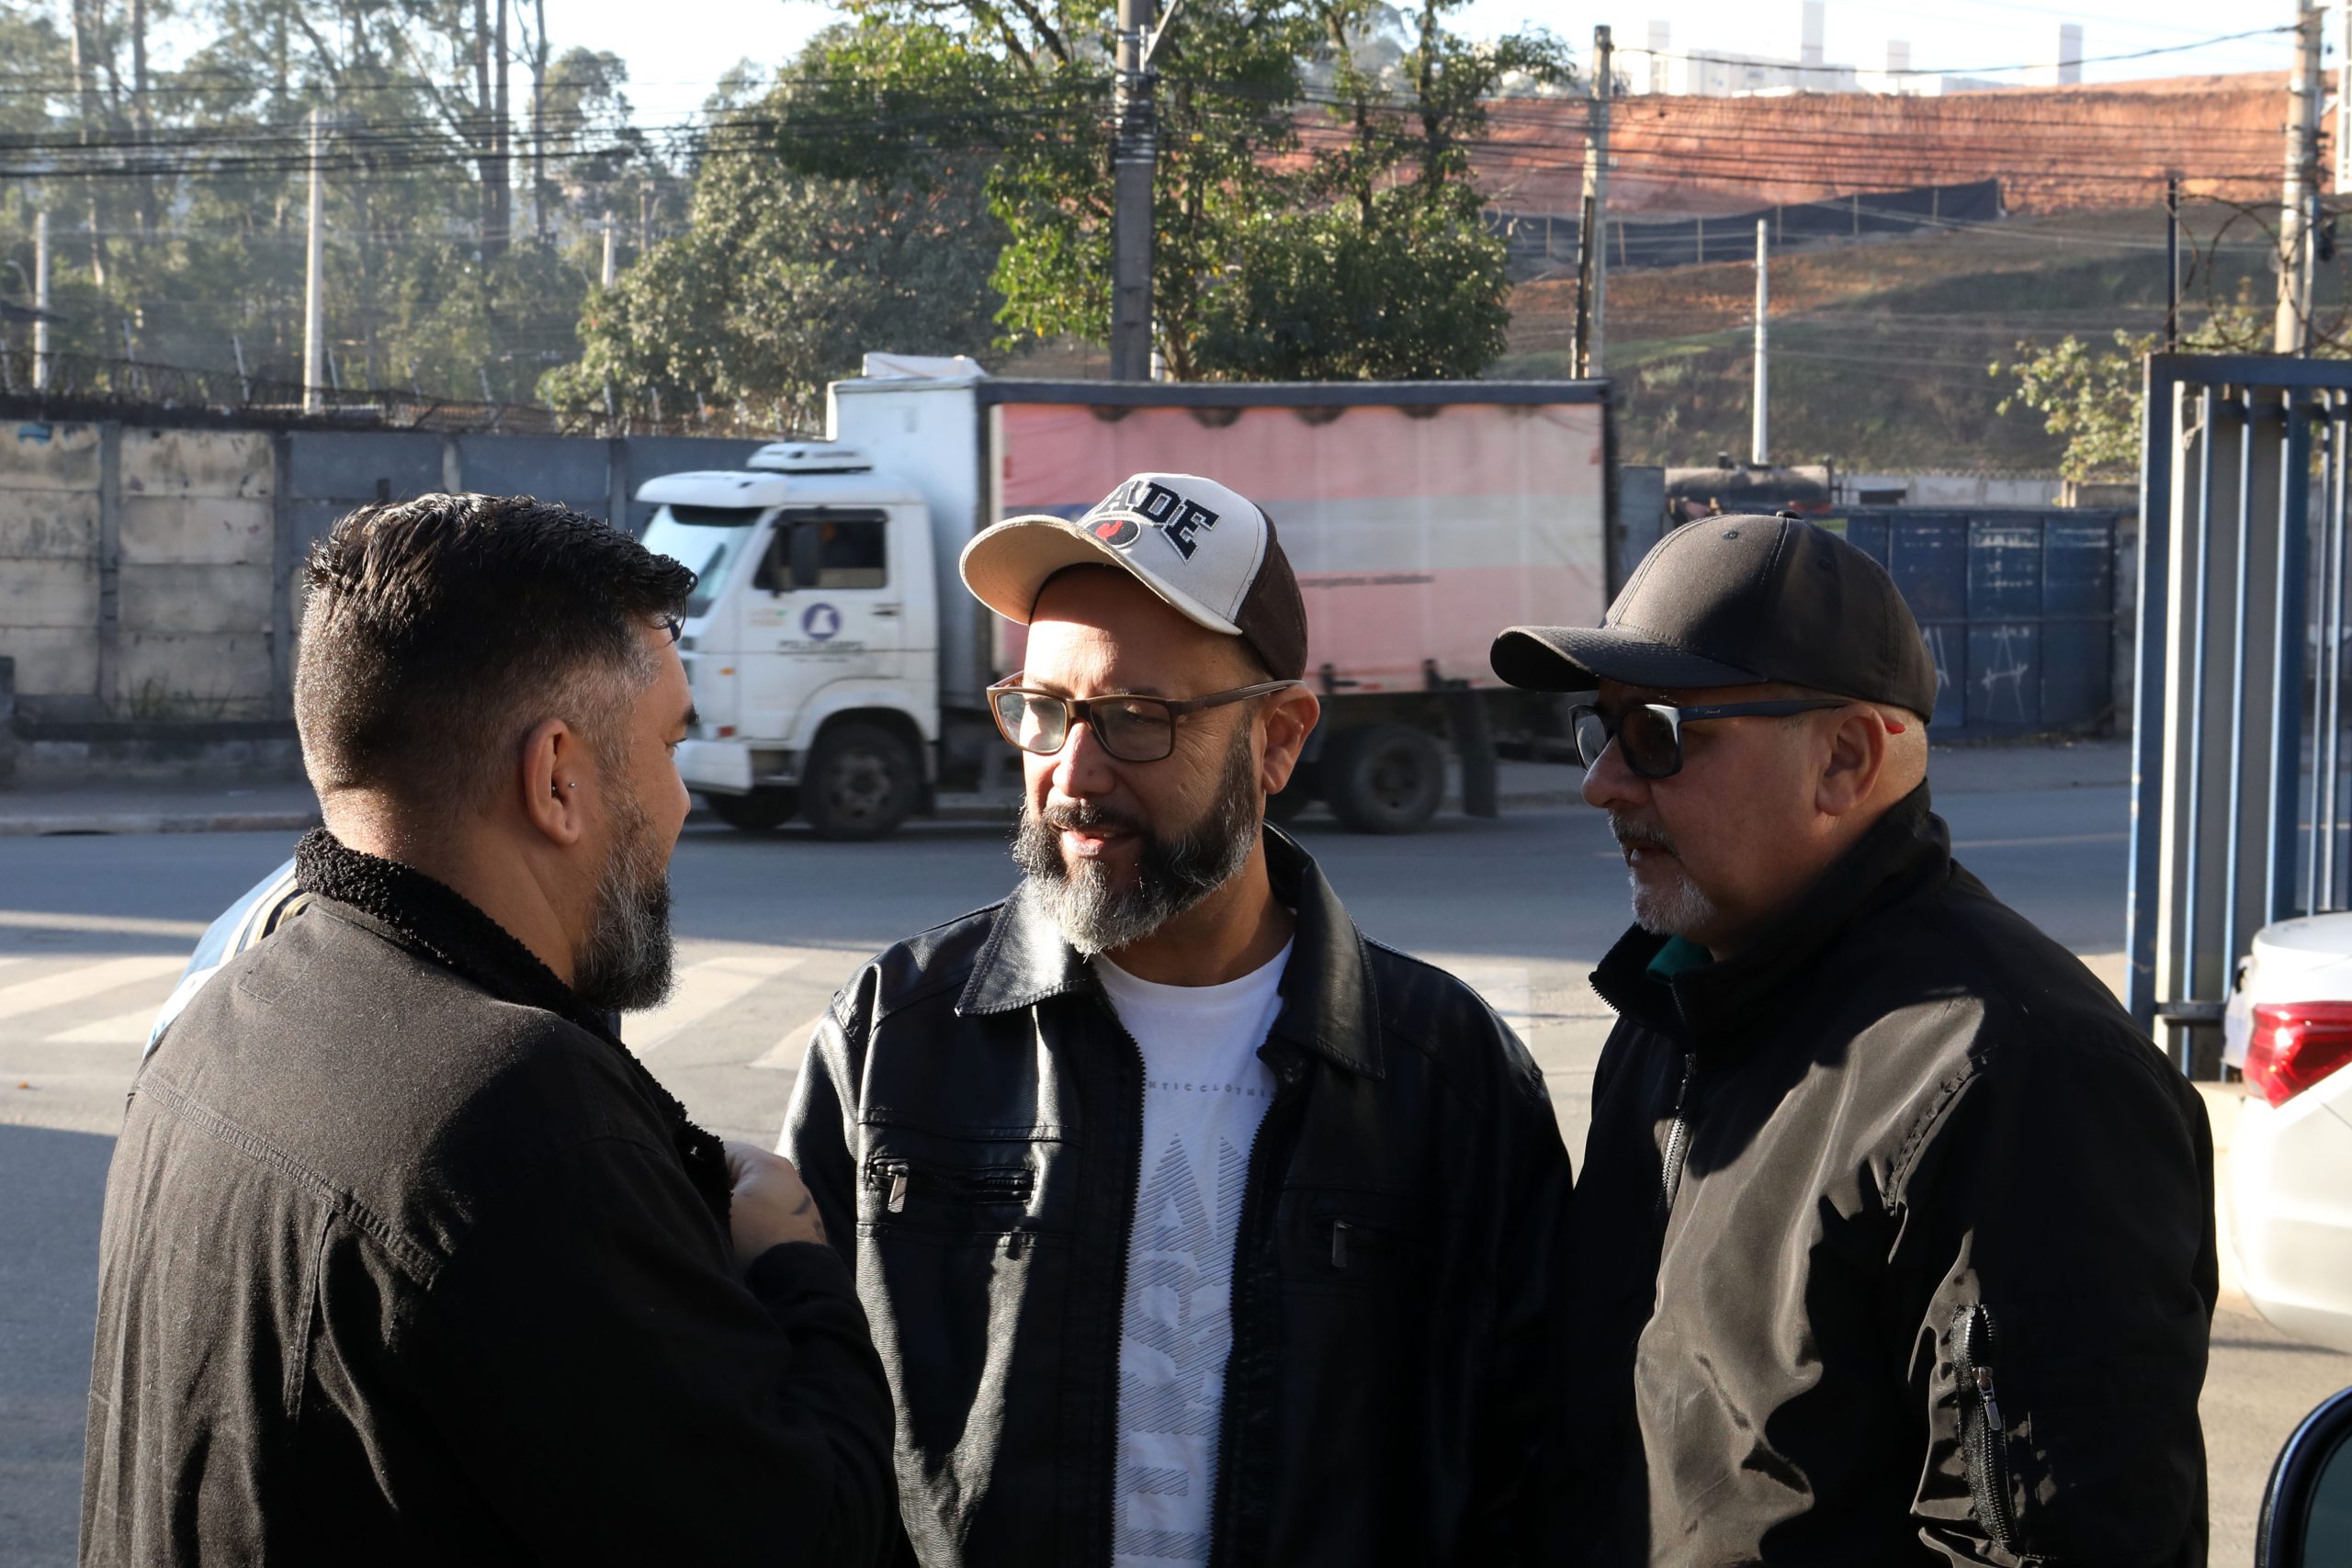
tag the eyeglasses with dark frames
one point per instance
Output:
(1132, 728)
(1649, 734)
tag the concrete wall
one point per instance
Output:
(194, 543)
(1955, 489)
(147, 574)
(48, 558)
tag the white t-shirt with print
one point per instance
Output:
(1205, 1094)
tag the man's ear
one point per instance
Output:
(555, 774)
(1856, 757)
(1289, 718)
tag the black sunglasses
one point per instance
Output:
(1132, 728)
(1649, 734)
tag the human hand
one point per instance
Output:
(771, 1205)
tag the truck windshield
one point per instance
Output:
(704, 540)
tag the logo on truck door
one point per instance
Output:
(821, 622)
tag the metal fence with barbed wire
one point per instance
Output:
(54, 385)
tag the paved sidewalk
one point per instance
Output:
(262, 807)
(280, 806)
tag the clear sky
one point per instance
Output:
(677, 49)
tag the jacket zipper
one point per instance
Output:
(1221, 1515)
(1677, 1138)
(1119, 1302)
(898, 1179)
(1985, 1438)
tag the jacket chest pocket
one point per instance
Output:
(926, 1182)
(903, 1181)
(1348, 1242)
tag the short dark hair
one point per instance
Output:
(438, 632)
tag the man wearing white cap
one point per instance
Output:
(1192, 1226)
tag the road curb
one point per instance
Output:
(64, 824)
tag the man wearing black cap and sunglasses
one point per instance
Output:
(1194, 1226)
(1894, 1242)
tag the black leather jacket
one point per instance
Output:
(969, 1118)
(1894, 1245)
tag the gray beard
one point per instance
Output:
(1677, 908)
(627, 962)
(1172, 875)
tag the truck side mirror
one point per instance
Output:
(807, 554)
(2307, 1510)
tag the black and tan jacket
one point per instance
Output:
(1895, 1245)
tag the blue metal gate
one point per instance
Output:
(2238, 800)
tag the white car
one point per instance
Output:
(2288, 1028)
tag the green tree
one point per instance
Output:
(1314, 208)
(1385, 270)
(2091, 395)
(797, 257)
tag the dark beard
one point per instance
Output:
(626, 962)
(1172, 875)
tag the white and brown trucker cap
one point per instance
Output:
(1206, 549)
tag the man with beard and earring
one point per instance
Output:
(405, 1258)
(1194, 1226)
(1894, 1237)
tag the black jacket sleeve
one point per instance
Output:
(621, 1396)
(1522, 1364)
(2058, 1251)
(820, 1127)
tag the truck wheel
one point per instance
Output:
(1383, 778)
(862, 780)
(757, 812)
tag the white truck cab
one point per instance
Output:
(813, 626)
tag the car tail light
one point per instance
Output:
(2295, 1044)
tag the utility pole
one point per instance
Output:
(1760, 437)
(1592, 233)
(608, 276)
(1135, 157)
(2344, 97)
(2299, 204)
(315, 339)
(41, 301)
(2171, 262)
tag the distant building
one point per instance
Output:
(1704, 73)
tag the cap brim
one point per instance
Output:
(1578, 659)
(1007, 565)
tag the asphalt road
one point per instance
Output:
(92, 931)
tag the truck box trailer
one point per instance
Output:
(840, 668)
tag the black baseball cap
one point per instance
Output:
(1739, 602)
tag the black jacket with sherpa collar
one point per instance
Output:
(405, 1260)
(1895, 1245)
(969, 1118)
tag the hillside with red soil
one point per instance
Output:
(2053, 150)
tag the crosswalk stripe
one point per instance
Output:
(704, 989)
(786, 1055)
(1510, 990)
(82, 984)
(123, 1029)
(106, 925)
